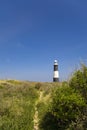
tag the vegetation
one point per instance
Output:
(44, 106)
(17, 106)
(79, 81)
(68, 107)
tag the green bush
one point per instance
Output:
(79, 81)
(68, 109)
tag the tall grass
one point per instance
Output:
(17, 101)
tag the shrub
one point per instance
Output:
(38, 86)
(65, 108)
(79, 81)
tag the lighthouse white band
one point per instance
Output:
(56, 74)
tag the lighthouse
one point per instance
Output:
(56, 72)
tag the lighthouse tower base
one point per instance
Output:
(55, 79)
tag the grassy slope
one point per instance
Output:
(18, 102)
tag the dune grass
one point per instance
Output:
(17, 101)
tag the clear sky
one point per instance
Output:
(33, 33)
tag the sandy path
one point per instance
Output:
(36, 119)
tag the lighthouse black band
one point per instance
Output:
(55, 67)
(55, 79)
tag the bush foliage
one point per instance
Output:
(79, 81)
(68, 109)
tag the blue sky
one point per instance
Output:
(33, 33)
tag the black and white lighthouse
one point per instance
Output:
(56, 72)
